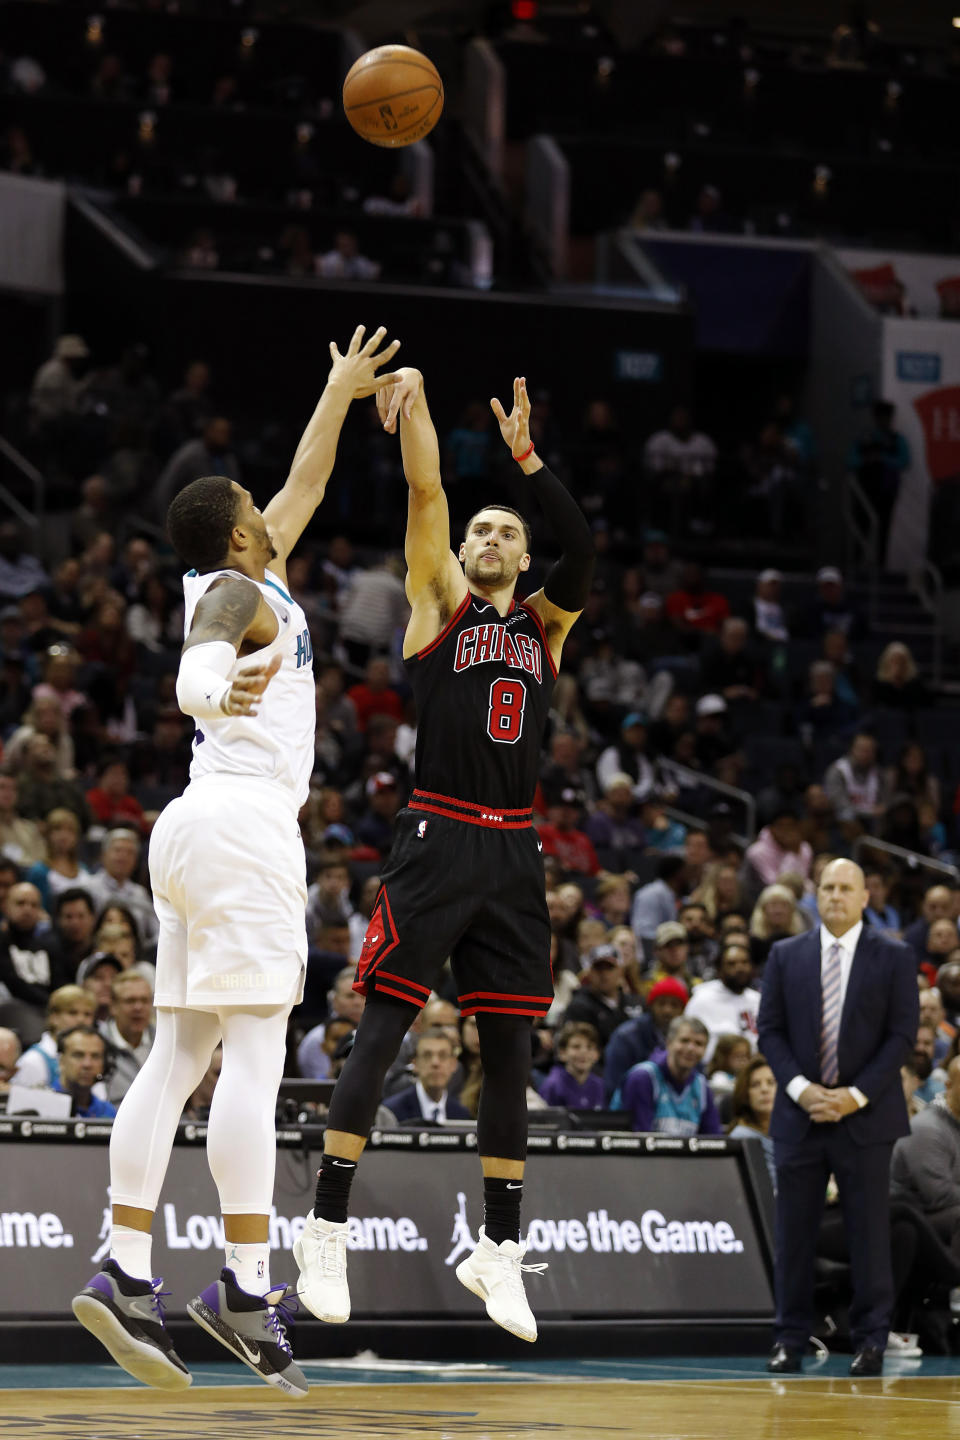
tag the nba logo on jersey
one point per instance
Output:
(261, 1269)
(421, 830)
(304, 649)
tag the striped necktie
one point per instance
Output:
(830, 1016)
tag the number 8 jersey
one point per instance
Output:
(482, 690)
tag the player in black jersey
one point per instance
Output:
(464, 877)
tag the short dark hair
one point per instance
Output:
(527, 534)
(572, 1028)
(67, 897)
(669, 867)
(200, 519)
(64, 1036)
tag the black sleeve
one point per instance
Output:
(568, 583)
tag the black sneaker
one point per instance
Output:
(253, 1329)
(126, 1316)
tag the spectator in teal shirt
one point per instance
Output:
(879, 459)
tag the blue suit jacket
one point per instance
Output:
(878, 1028)
(406, 1106)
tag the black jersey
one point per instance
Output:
(482, 690)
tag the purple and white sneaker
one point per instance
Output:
(252, 1328)
(126, 1316)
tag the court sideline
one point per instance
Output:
(672, 1399)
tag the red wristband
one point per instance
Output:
(526, 454)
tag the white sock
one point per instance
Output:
(132, 1251)
(250, 1265)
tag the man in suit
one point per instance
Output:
(838, 1017)
(427, 1100)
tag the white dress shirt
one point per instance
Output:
(431, 1109)
(848, 942)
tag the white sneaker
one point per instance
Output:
(321, 1253)
(903, 1345)
(494, 1272)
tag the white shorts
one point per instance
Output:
(229, 880)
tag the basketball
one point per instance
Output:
(393, 95)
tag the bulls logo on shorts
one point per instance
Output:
(381, 936)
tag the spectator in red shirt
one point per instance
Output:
(105, 642)
(560, 837)
(693, 608)
(375, 695)
(110, 801)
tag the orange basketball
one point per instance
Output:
(393, 95)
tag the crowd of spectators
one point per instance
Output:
(129, 438)
(710, 746)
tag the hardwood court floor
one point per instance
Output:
(587, 1407)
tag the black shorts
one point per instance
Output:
(475, 894)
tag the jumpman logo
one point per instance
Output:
(103, 1249)
(461, 1239)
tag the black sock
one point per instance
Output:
(501, 1208)
(334, 1179)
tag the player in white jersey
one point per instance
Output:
(228, 874)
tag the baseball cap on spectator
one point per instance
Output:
(711, 705)
(671, 986)
(71, 347)
(650, 600)
(617, 779)
(344, 1046)
(604, 955)
(383, 780)
(338, 835)
(767, 576)
(655, 537)
(10, 612)
(669, 931)
(571, 796)
(829, 575)
(636, 717)
(100, 957)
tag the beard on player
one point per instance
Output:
(492, 571)
(266, 541)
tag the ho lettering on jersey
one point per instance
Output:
(304, 649)
(482, 644)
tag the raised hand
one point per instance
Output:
(515, 427)
(246, 692)
(398, 395)
(362, 361)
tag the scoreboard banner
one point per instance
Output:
(648, 1226)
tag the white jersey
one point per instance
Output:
(278, 742)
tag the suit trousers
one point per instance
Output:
(862, 1173)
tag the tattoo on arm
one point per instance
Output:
(225, 612)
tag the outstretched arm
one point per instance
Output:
(435, 583)
(567, 586)
(352, 376)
